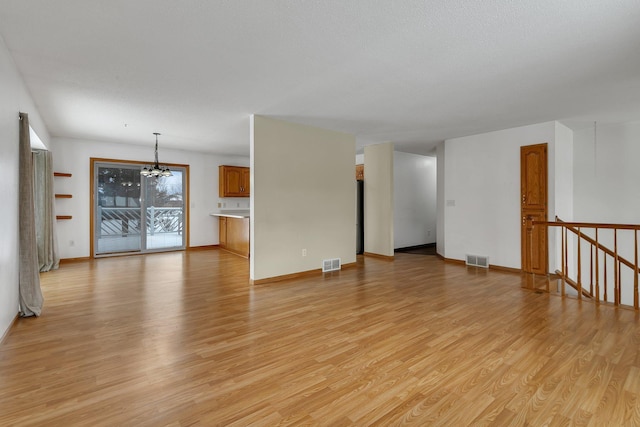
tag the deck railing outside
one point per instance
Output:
(124, 222)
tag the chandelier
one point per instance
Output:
(156, 170)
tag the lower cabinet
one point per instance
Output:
(223, 231)
(234, 235)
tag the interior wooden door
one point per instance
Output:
(533, 196)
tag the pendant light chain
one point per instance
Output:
(156, 170)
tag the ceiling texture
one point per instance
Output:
(406, 71)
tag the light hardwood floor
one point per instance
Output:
(181, 339)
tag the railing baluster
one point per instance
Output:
(591, 269)
(635, 272)
(606, 299)
(619, 283)
(579, 266)
(565, 268)
(616, 284)
(597, 269)
(600, 289)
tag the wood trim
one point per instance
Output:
(299, 274)
(379, 256)
(202, 248)
(63, 196)
(285, 277)
(61, 217)
(11, 325)
(491, 267)
(187, 203)
(63, 174)
(580, 234)
(235, 252)
(505, 269)
(72, 260)
(560, 223)
(576, 286)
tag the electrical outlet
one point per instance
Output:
(304, 252)
(219, 204)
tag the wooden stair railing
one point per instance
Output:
(596, 248)
(569, 281)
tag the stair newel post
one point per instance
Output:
(597, 294)
(635, 271)
(579, 266)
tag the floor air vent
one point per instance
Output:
(478, 261)
(330, 264)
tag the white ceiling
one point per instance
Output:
(412, 72)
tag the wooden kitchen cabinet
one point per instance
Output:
(234, 235)
(222, 229)
(233, 181)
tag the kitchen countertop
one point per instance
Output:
(240, 213)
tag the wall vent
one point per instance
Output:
(477, 260)
(331, 264)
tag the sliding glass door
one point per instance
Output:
(133, 213)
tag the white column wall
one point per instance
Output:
(440, 210)
(378, 199)
(302, 197)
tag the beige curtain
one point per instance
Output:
(45, 216)
(30, 293)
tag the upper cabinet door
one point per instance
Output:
(533, 169)
(233, 181)
(246, 182)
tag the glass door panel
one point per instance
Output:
(165, 211)
(118, 213)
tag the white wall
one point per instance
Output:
(14, 98)
(302, 197)
(482, 192)
(606, 177)
(562, 180)
(378, 199)
(73, 156)
(606, 174)
(414, 198)
(440, 217)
